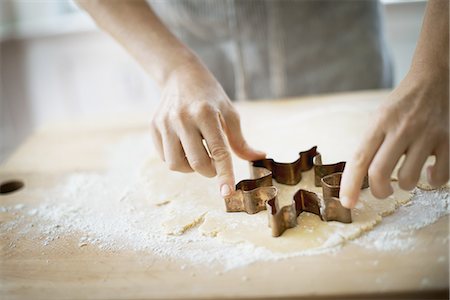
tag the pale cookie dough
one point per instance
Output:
(191, 202)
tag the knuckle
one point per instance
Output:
(233, 115)
(167, 123)
(203, 109)
(409, 128)
(220, 153)
(360, 158)
(183, 116)
(241, 144)
(180, 110)
(160, 123)
(172, 117)
(385, 116)
(225, 175)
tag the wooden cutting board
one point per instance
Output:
(63, 270)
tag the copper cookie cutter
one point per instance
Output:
(257, 194)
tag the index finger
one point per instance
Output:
(356, 169)
(214, 136)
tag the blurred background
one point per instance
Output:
(55, 65)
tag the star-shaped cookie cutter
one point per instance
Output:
(257, 194)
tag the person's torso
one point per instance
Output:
(272, 49)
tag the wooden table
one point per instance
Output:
(66, 271)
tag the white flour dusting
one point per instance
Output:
(111, 211)
(396, 232)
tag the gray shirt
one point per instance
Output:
(271, 49)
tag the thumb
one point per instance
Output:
(232, 125)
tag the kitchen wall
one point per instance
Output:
(54, 64)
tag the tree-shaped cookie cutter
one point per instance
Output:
(257, 194)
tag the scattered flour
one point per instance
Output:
(112, 211)
(396, 232)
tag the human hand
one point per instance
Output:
(414, 121)
(194, 107)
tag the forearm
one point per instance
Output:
(134, 25)
(432, 49)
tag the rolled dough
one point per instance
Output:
(191, 202)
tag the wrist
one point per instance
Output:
(425, 71)
(422, 80)
(187, 66)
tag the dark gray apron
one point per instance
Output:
(282, 48)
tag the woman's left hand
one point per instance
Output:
(413, 121)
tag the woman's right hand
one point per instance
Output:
(194, 107)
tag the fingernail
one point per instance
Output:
(225, 190)
(345, 201)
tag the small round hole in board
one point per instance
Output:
(10, 186)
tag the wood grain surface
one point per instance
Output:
(63, 270)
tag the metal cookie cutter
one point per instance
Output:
(257, 194)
